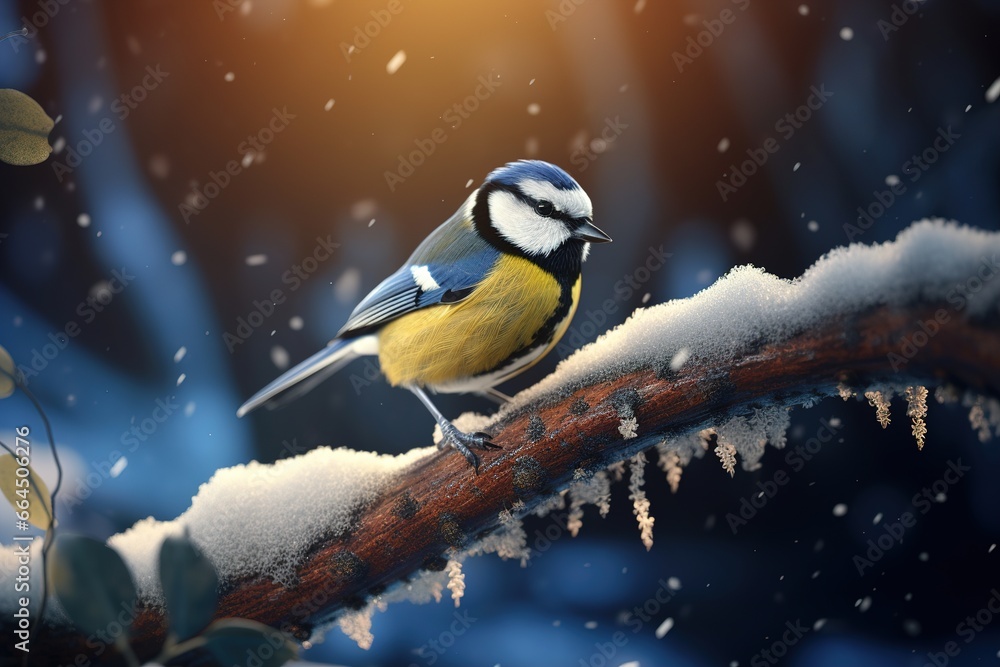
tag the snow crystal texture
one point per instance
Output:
(928, 260)
(260, 519)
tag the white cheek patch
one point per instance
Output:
(470, 204)
(574, 203)
(518, 223)
(586, 252)
(423, 278)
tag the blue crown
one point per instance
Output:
(537, 170)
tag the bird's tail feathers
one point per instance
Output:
(303, 377)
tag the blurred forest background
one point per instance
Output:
(649, 105)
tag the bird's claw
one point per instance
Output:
(465, 442)
(484, 441)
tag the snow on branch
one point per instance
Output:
(332, 536)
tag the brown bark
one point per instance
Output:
(439, 503)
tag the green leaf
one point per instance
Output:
(231, 639)
(190, 586)
(7, 374)
(34, 494)
(24, 129)
(92, 583)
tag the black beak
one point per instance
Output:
(588, 232)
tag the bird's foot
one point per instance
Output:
(465, 443)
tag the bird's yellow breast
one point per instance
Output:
(448, 342)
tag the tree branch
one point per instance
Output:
(438, 504)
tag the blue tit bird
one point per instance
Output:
(483, 298)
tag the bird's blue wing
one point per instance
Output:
(445, 268)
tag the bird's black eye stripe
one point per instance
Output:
(544, 208)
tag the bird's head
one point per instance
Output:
(535, 209)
